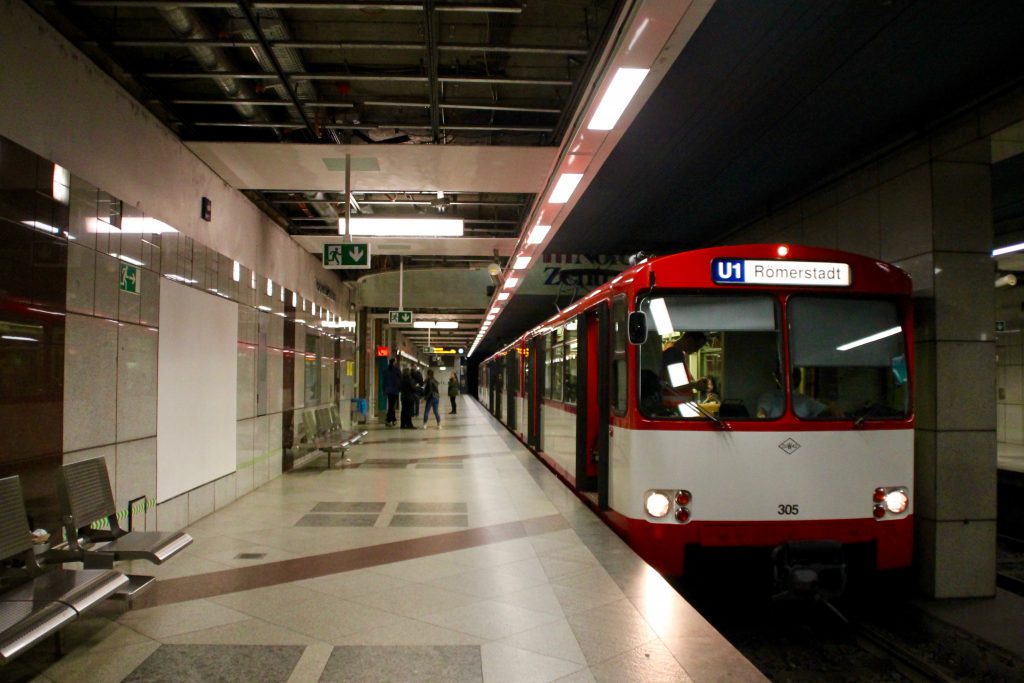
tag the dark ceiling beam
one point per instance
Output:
(420, 126)
(430, 27)
(486, 80)
(246, 8)
(335, 45)
(307, 5)
(475, 107)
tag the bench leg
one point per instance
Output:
(58, 644)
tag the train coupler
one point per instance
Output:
(809, 570)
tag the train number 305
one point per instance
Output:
(789, 509)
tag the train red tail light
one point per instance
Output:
(682, 515)
(683, 498)
(878, 511)
(879, 495)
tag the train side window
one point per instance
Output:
(617, 376)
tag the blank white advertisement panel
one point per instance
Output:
(198, 368)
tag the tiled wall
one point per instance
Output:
(87, 386)
(1009, 366)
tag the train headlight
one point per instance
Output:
(657, 503)
(896, 501)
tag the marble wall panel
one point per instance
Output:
(965, 475)
(962, 549)
(136, 474)
(244, 478)
(90, 382)
(261, 447)
(275, 452)
(962, 200)
(246, 381)
(225, 491)
(172, 515)
(201, 502)
(905, 214)
(81, 293)
(136, 382)
(149, 310)
(964, 296)
(275, 374)
(956, 408)
(107, 297)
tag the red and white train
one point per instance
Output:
(801, 449)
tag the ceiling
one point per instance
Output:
(766, 100)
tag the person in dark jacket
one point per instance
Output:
(392, 381)
(417, 382)
(407, 393)
(431, 396)
(453, 391)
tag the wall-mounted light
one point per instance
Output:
(1006, 280)
(538, 234)
(564, 188)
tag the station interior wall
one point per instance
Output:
(80, 377)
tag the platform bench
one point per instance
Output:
(37, 602)
(332, 439)
(86, 499)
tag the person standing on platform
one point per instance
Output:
(392, 386)
(417, 381)
(407, 393)
(453, 391)
(431, 397)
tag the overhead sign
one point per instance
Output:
(737, 271)
(441, 350)
(129, 278)
(346, 255)
(400, 317)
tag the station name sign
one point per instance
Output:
(734, 271)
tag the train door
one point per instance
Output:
(593, 408)
(534, 390)
(511, 386)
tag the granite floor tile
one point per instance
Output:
(505, 664)
(208, 663)
(183, 617)
(391, 664)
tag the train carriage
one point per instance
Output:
(751, 397)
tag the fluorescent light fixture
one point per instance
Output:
(128, 259)
(12, 337)
(236, 271)
(496, 310)
(144, 224)
(662, 320)
(266, 309)
(564, 188)
(521, 262)
(620, 91)
(677, 374)
(503, 295)
(870, 339)
(538, 234)
(282, 293)
(1008, 250)
(42, 226)
(295, 299)
(181, 278)
(314, 309)
(423, 324)
(447, 325)
(300, 321)
(61, 184)
(511, 282)
(403, 227)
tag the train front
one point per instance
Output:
(771, 413)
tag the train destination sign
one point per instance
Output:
(737, 271)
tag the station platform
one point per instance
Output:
(445, 554)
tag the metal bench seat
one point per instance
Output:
(36, 603)
(86, 499)
(332, 439)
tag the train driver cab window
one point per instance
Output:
(707, 356)
(849, 359)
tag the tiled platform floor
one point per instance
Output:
(485, 569)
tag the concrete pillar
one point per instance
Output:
(937, 224)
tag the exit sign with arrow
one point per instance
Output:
(346, 255)
(400, 317)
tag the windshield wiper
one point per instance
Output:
(708, 414)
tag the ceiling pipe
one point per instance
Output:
(187, 24)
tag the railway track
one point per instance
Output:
(1010, 566)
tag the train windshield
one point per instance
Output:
(708, 356)
(848, 359)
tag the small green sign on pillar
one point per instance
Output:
(346, 255)
(129, 278)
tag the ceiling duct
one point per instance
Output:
(189, 26)
(274, 29)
